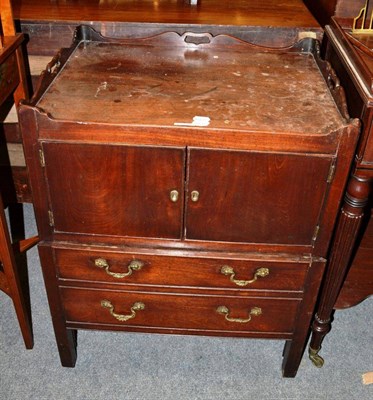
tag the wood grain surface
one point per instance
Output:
(170, 84)
(216, 12)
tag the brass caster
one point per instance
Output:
(316, 359)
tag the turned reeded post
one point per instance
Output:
(348, 225)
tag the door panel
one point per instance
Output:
(255, 197)
(115, 190)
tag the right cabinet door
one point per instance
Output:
(255, 197)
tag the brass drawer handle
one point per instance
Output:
(223, 310)
(134, 265)
(227, 270)
(138, 306)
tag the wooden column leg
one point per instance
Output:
(294, 348)
(348, 225)
(66, 338)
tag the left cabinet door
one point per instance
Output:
(115, 190)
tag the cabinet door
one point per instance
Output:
(115, 190)
(255, 197)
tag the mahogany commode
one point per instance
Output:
(48, 27)
(186, 184)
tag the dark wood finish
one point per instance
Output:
(345, 10)
(159, 84)
(268, 24)
(350, 219)
(10, 48)
(131, 201)
(245, 154)
(174, 312)
(294, 348)
(14, 183)
(358, 283)
(323, 10)
(11, 282)
(45, 41)
(13, 87)
(9, 76)
(12, 82)
(22, 186)
(66, 338)
(49, 26)
(349, 8)
(349, 278)
(209, 12)
(247, 178)
(166, 269)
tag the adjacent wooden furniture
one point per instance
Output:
(186, 184)
(244, 13)
(13, 78)
(50, 25)
(12, 82)
(11, 282)
(344, 10)
(349, 277)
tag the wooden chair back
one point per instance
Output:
(13, 82)
(7, 27)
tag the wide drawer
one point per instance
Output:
(163, 270)
(197, 312)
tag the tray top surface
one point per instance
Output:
(170, 86)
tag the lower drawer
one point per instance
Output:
(194, 312)
(167, 270)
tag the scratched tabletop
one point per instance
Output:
(168, 86)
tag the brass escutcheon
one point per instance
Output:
(194, 195)
(174, 196)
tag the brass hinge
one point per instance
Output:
(331, 173)
(41, 157)
(315, 234)
(51, 218)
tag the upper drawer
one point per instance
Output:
(162, 270)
